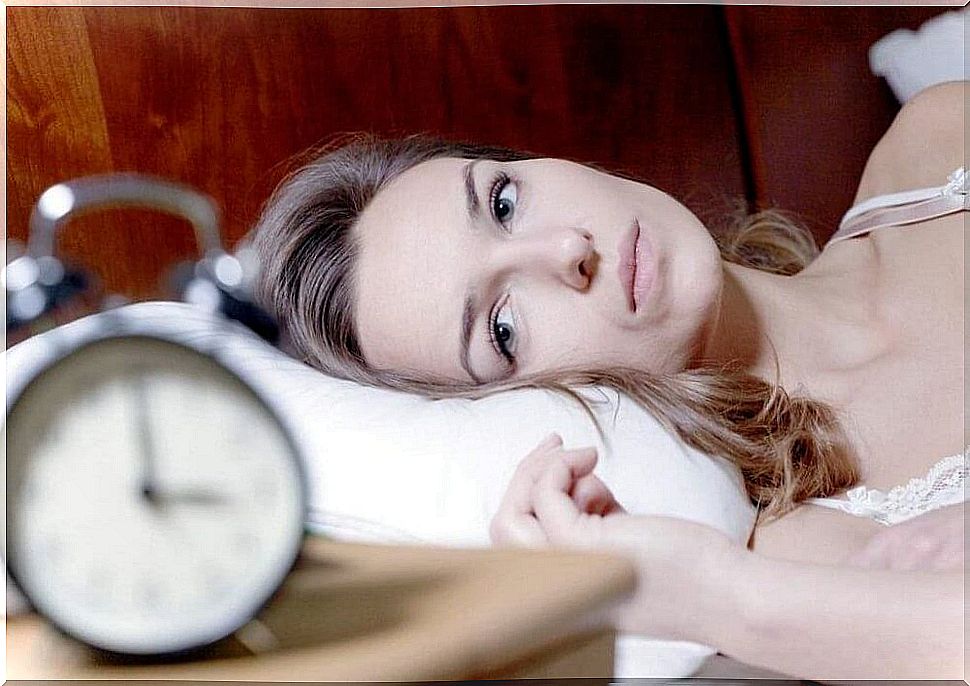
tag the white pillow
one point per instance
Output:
(391, 467)
(913, 60)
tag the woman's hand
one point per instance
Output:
(933, 541)
(516, 521)
(555, 499)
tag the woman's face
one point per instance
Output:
(480, 270)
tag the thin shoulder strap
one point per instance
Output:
(906, 208)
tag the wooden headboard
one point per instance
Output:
(771, 105)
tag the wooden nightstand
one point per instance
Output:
(376, 613)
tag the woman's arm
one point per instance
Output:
(823, 622)
(811, 621)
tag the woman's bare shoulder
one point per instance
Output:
(924, 144)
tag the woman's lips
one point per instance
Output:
(628, 250)
(636, 275)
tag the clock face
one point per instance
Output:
(153, 502)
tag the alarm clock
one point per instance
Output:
(155, 502)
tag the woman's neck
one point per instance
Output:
(806, 331)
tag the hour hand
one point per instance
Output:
(188, 496)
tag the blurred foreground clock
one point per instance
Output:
(154, 500)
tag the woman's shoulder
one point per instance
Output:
(923, 145)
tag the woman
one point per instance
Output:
(460, 270)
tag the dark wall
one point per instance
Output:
(812, 110)
(706, 103)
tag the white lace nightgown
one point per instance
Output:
(945, 483)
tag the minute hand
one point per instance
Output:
(149, 478)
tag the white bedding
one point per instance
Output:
(913, 60)
(390, 467)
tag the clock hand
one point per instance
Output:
(190, 497)
(149, 459)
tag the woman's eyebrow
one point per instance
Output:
(471, 195)
(470, 307)
(467, 327)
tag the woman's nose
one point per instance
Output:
(565, 254)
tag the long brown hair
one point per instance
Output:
(787, 448)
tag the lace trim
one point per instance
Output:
(944, 484)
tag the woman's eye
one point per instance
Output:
(503, 198)
(503, 332)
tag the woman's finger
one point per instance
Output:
(518, 530)
(514, 522)
(555, 510)
(871, 555)
(518, 495)
(531, 465)
(553, 440)
(517, 498)
(592, 496)
(580, 461)
(931, 541)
